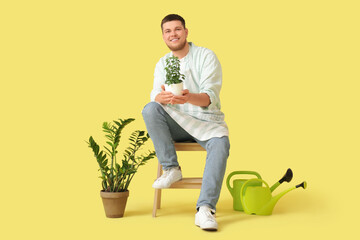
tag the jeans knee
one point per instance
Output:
(220, 145)
(150, 109)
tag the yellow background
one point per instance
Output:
(290, 96)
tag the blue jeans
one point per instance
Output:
(163, 130)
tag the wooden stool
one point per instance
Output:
(188, 183)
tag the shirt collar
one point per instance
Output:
(186, 58)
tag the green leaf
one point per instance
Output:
(110, 152)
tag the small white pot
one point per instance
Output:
(175, 88)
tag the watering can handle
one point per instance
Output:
(239, 172)
(243, 188)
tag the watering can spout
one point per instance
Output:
(286, 178)
(275, 199)
(303, 185)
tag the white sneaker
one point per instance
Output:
(205, 219)
(168, 177)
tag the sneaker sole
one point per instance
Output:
(206, 229)
(167, 186)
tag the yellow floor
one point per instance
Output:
(61, 212)
(300, 214)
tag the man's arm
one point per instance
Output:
(159, 79)
(211, 79)
(198, 99)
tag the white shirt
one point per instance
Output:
(203, 74)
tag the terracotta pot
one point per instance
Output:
(114, 203)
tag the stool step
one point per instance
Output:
(194, 183)
(185, 146)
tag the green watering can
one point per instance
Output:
(237, 184)
(258, 199)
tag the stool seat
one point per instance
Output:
(184, 183)
(188, 146)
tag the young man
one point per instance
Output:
(194, 116)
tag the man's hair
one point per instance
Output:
(172, 17)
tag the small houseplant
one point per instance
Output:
(174, 79)
(116, 175)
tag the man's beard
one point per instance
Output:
(177, 48)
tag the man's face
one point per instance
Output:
(174, 35)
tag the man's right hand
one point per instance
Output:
(164, 97)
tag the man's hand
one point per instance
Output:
(198, 99)
(184, 98)
(164, 97)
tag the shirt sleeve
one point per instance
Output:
(159, 79)
(211, 79)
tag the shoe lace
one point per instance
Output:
(165, 174)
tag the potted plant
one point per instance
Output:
(174, 79)
(116, 175)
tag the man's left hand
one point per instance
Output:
(184, 98)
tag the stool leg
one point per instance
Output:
(157, 198)
(158, 202)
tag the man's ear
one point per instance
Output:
(186, 31)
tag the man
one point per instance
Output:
(194, 116)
